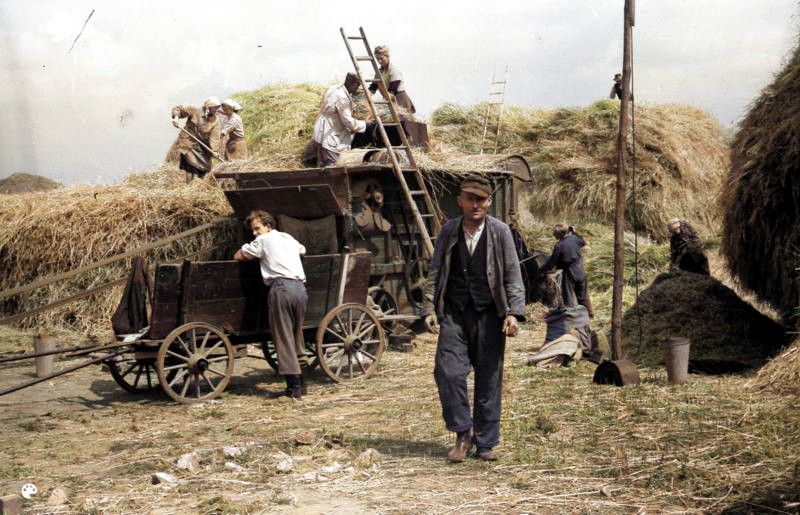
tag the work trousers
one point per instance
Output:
(575, 292)
(471, 339)
(286, 311)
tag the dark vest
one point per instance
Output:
(468, 279)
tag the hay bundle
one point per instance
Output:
(42, 234)
(761, 197)
(681, 156)
(279, 118)
(25, 183)
(782, 374)
(720, 325)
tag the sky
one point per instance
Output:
(97, 109)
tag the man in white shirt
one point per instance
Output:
(335, 125)
(279, 254)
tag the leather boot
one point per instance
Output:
(464, 442)
(293, 386)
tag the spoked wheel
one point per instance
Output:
(350, 341)
(136, 375)
(271, 355)
(384, 300)
(195, 362)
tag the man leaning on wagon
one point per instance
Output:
(478, 298)
(282, 270)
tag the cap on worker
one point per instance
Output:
(477, 185)
(381, 49)
(211, 102)
(233, 104)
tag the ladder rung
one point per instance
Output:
(363, 58)
(380, 101)
(390, 124)
(400, 147)
(427, 215)
(354, 37)
(417, 192)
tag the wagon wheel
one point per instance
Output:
(134, 375)
(350, 341)
(195, 362)
(271, 355)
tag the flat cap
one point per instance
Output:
(477, 185)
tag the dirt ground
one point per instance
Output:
(568, 445)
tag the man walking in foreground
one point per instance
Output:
(478, 299)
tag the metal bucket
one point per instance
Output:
(677, 359)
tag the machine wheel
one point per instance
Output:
(136, 375)
(195, 362)
(350, 341)
(384, 300)
(310, 363)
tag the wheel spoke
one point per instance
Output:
(175, 367)
(209, 369)
(183, 344)
(367, 354)
(210, 385)
(350, 364)
(345, 330)
(212, 349)
(363, 333)
(334, 344)
(205, 340)
(138, 376)
(217, 359)
(193, 341)
(361, 365)
(185, 385)
(177, 377)
(197, 385)
(360, 321)
(182, 358)
(331, 331)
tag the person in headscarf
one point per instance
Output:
(392, 78)
(686, 248)
(199, 138)
(234, 145)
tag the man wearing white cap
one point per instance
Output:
(234, 144)
(198, 137)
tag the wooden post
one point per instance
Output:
(619, 219)
(43, 342)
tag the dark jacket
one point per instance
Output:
(502, 269)
(567, 256)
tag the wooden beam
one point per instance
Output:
(617, 351)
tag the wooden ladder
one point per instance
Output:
(410, 196)
(497, 93)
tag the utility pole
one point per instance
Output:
(619, 219)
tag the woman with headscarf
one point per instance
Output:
(199, 137)
(392, 78)
(235, 147)
(686, 249)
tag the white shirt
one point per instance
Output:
(233, 125)
(473, 240)
(335, 124)
(279, 255)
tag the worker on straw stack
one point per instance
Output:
(686, 248)
(233, 143)
(335, 125)
(474, 299)
(392, 78)
(199, 138)
(616, 89)
(568, 258)
(282, 270)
